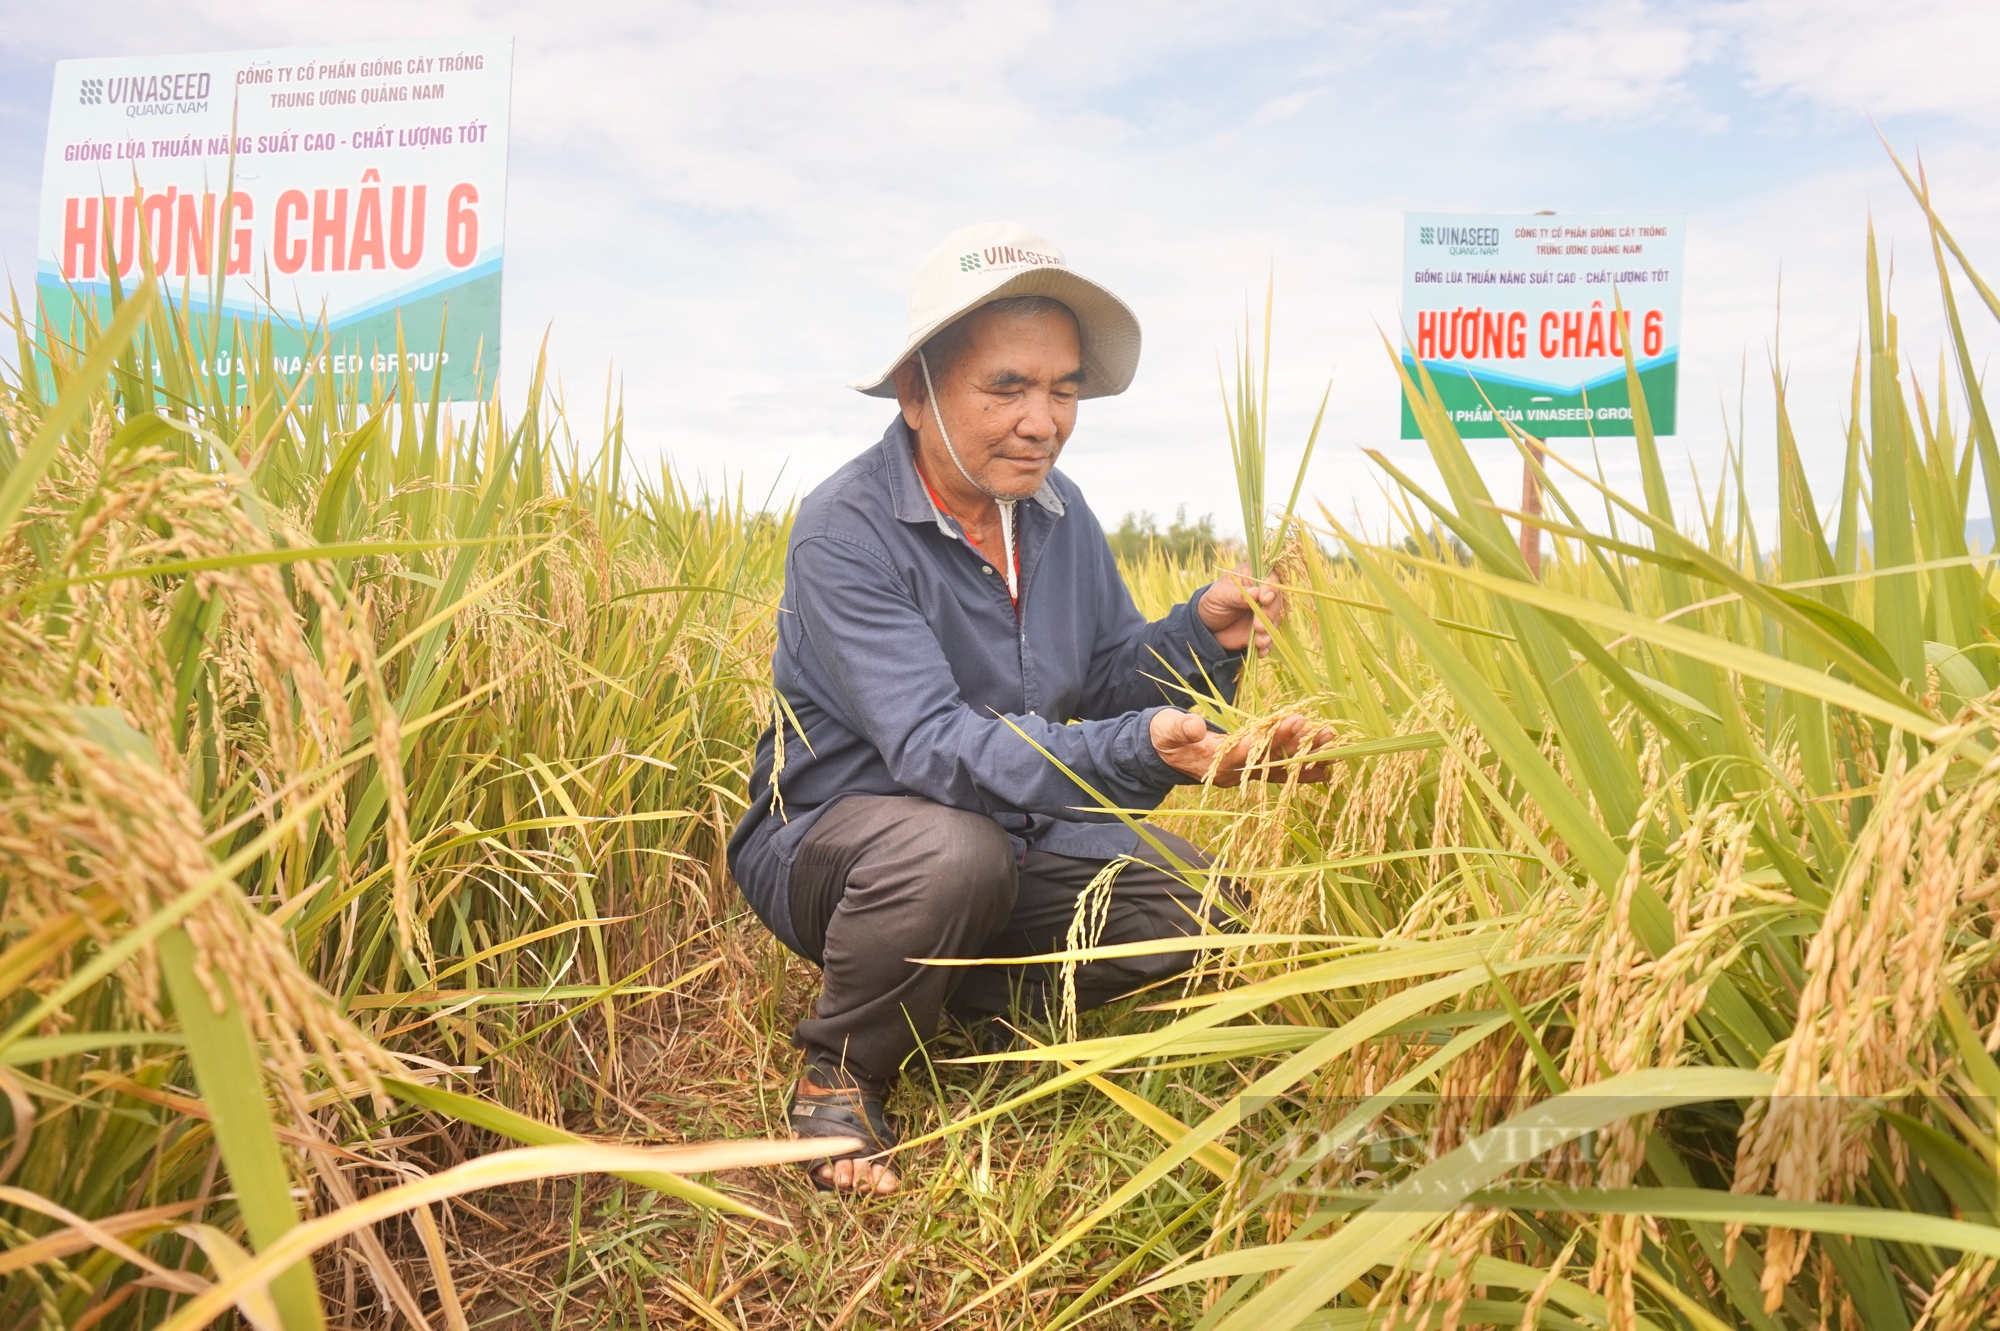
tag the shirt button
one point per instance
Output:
(986, 568)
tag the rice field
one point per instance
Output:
(367, 957)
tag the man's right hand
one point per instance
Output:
(1186, 744)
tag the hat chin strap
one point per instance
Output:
(1005, 503)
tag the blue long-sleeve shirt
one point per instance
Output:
(906, 671)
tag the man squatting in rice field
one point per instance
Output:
(951, 611)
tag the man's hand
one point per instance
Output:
(1186, 744)
(1226, 609)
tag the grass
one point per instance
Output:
(366, 776)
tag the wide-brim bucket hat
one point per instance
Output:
(977, 265)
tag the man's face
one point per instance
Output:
(1008, 397)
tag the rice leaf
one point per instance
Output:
(506, 1123)
(490, 1171)
(232, 1085)
(1431, 1193)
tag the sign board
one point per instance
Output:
(332, 192)
(1518, 315)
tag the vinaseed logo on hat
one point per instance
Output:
(1010, 256)
(1004, 256)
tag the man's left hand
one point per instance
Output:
(1226, 608)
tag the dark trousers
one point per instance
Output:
(883, 879)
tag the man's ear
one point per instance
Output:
(910, 392)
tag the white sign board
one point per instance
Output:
(355, 187)
(1519, 316)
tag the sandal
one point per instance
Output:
(840, 1112)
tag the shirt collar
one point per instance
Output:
(910, 497)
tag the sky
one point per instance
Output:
(717, 208)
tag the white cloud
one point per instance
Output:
(1897, 58)
(725, 201)
(1614, 61)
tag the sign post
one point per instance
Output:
(335, 194)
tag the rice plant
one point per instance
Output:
(366, 955)
(1641, 970)
(301, 849)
